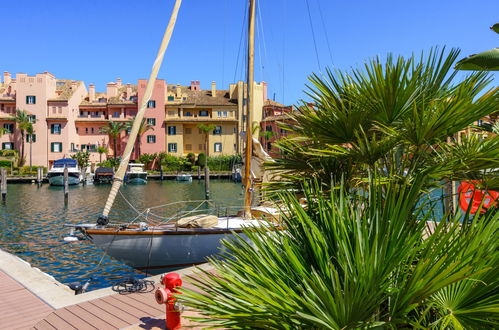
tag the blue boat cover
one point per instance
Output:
(65, 162)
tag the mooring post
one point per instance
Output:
(66, 185)
(199, 172)
(206, 182)
(3, 184)
(39, 175)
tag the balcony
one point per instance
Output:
(92, 118)
(198, 119)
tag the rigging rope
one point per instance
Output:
(325, 31)
(313, 35)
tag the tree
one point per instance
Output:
(30, 131)
(114, 130)
(23, 123)
(144, 127)
(206, 129)
(102, 150)
(355, 260)
(82, 157)
(395, 119)
(485, 61)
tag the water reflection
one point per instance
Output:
(32, 220)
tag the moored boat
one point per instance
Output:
(104, 175)
(136, 174)
(184, 177)
(55, 175)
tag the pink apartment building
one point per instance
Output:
(68, 118)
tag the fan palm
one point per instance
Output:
(356, 260)
(144, 127)
(485, 61)
(30, 130)
(114, 130)
(101, 150)
(23, 121)
(394, 118)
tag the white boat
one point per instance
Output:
(184, 177)
(56, 174)
(159, 243)
(136, 174)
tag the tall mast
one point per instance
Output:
(249, 109)
(120, 174)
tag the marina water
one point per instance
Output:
(32, 223)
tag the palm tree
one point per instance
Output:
(30, 131)
(101, 150)
(394, 119)
(144, 127)
(206, 129)
(484, 61)
(23, 123)
(114, 130)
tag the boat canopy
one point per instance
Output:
(65, 162)
(104, 170)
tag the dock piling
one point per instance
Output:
(3, 184)
(199, 172)
(206, 182)
(66, 185)
(39, 175)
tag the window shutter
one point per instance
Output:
(27, 99)
(52, 147)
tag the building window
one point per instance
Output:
(9, 128)
(171, 98)
(283, 131)
(218, 147)
(53, 110)
(86, 130)
(73, 149)
(480, 122)
(151, 104)
(116, 114)
(217, 130)
(269, 146)
(128, 130)
(188, 147)
(235, 130)
(92, 130)
(201, 146)
(187, 114)
(76, 129)
(151, 121)
(30, 99)
(56, 147)
(268, 128)
(56, 128)
(203, 113)
(188, 130)
(30, 138)
(222, 114)
(151, 139)
(172, 147)
(171, 113)
(60, 109)
(32, 118)
(8, 146)
(172, 130)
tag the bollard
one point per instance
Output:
(199, 172)
(39, 175)
(66, 185)
(206, 182)
(171, 281)
(4, 184)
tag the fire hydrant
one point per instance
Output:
(171, 281)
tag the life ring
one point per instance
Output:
(469, 194)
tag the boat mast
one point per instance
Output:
(120, 174)
(249, 109)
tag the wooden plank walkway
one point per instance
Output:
(19, 308)
(131, 311)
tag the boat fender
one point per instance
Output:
(143, 226)
(71, 238)
(102, 220)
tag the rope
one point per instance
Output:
(325, 31)
(131, 285)
(313, 35)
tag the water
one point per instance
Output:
(32, 223)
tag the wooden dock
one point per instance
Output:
(19, 308)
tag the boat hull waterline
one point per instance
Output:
(156, 250)
(58, 180)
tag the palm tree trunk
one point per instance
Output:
(30, 152)
(115, 151)
(100, 157)
(21, 159)
(206, 170)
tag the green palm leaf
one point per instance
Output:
(484, 61)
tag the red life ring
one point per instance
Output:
(469, 194)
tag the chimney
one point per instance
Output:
(213, 89)
(118, 82)
(128, 91)
(111, 90)
(6, 78)
(91, 92)
(264, 84)
(193, 85)
(198, 85)
(179, 91)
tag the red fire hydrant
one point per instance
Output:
(171, 281)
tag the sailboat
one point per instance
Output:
(186, 241)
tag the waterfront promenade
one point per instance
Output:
(31, 299)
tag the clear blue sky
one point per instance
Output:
(97, 40)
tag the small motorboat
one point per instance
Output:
(56, 173)
(184, 177)
(136, 174)
(104, 175)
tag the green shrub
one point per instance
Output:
(173, 163)
(223, 163)
(111, 162)
(201, 159)
(5, 163)
(25, 170)
(8, 153)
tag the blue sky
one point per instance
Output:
(97, 40)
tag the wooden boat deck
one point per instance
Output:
(19, 307)
(131, 311)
